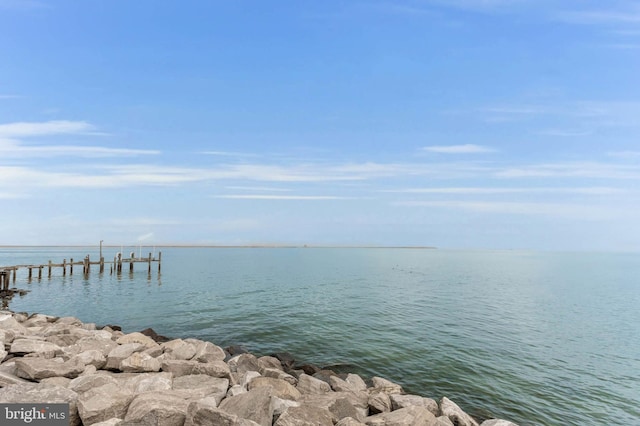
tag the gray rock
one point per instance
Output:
(403, 401)
(56, 381)
(139, 362)
(7, 379)
(157, 409)
(356, 381)
(110, 422)
(201, 386)
(63, 340)
(349, 421)
(443, 421)
(92, 357)
(136, 337)
(69, 321)
(282, 389)
(379, 402)
(311, 385)
(338, 404)
(104, 345)
(7, 322)
(30, 392)
(340, 385)
(179, 349)
(208, 352)
(89, 369)
(145, 382)
(305, 415)
(253, 405)
(279, 374)
(247, 362)
(184, 368)
(40, 368)
(155, 351)
(455, 413)
(497, 422)
(6, 336)
(409, 416)
(84, 383)
(103, 403)
(203, 414)
(384, 385)
(120, 353)
(281, 405)
(236, 390)
(269, 362)
(40, 347)
(246, 378)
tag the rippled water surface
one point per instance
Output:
(537, 338)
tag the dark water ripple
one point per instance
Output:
(538, 338)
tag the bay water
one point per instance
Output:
(534, 337)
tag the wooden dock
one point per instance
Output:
(8, 274)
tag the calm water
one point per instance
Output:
(537, 338)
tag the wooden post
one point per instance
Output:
(88, 264)
(40, 272)
(64, 267)
(149, 264)
(101, 264)
(15, 272)
(119, 268)
(159, 260)
(49, 269)
(71, 267)
(30, 272)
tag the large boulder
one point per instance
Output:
(92, 357)
(208, 352)
(305, 415)
(339, 404)
(310, 385)
(253, 405)
(455, 413)
(137, 337)
(84, 383)
(139, 362)
(204, 414)
(184, 368)
(120, 353)
(198, 386)
(41, 368)
(247, 362)
(409, 416)
(497, 422)
(145, 382)
(349, 421)
(157, 408)
(102, 344)
(178, 349)
(31, 392)
(39, 347)
(103, 403)
(356, 381)
(281, 388)
(379, 402)
(279, 374)
(8, 322)
(7, 378)
(403, 401)
(386, 386)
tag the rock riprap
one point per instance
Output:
(112, 378)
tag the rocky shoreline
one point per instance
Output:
(111, 378)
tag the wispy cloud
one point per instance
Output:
(258, 188)
(602, 16)
(55, 127)
(282, 197)
(624, 154)
(7, 96)
(503, 190)
(458, 149)
(572, 170)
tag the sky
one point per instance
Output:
(489, 124)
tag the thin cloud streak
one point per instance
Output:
(55, 127)
(282, 197)
(457, 149)
(502, 190)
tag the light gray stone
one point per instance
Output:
(349, 421)
(137, 337)
(253, 405)
(269, 362)
(402, 401)
(199, 386)
(84, 383)
(497, 422)
(63, 340)
(41, 368)
(70, 321)
(311, 385)
(8, 378)
(139, 362)
(356, 381)
(56, 381)
(409, 416)
(340, 385)
(305, 415)
(443, 421)
(120, 353)
(184, 368)
(236, 390)
(110, 422)
(157, 409)
(104, 345)
(89, 369)
(208, 352)
(339, 405)
(246, 378)
(7, 322)
(279, 374)
(103, 403)
(179, 349)
(92, 357)
(281, 388)
(247, 362)
(280, 405)
(386, 386)
(146, 382)
(379, 402)
(31, 392)
(6, 336)
(203, 414)
(40, 347)
(455, 413)
(155, 351)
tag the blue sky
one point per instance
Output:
(449, 123)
